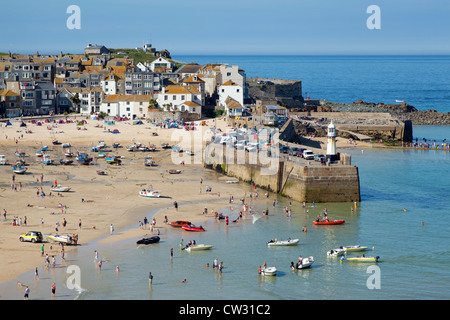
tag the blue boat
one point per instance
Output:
(19, 169)
(46, 159)
(83, 158)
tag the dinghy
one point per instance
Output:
(149, 194)
(59, 188)
(288, 242)
(304, 264)
(148, 240)
(199, 247)
(268, 271)
(361, 259)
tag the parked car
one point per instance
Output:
(293, 151)
(32, 236)
(319, 157)
(308, 155)
(284, 149)
(299, 152)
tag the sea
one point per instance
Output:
(403, 216)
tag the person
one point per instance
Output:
(42, 250)
(150, 278)
(27, 293)
(36, 274)
(111, 229)
(53, 290)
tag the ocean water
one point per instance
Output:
(422, 81)
(411, 244)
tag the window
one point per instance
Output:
(228, 74)
(128, 109)
(174, 97)
(182, 97)
(166, 97)
(237, 90)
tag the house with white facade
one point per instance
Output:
(235, 74)
(232, 90)
(110, 84)
(131, 106)
(161, 64)
(181, 98)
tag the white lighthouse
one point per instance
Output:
(331, 142)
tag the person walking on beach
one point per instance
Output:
(150, 278)
(111, 229)
(53, 290)
(27, 293)
(175, 204)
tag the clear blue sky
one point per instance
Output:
(229, 27)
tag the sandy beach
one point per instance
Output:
(99, 201)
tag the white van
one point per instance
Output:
(308, 155)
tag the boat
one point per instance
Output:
(165, 145)
(101, 154)
(268, 271)
(354, 248)
(328, 222)
(199, 247)
(39, 153)
(149, 162)
(59, 188)
(66, 239)
(46, 159)
(288, 242)
(193, 228)
(83, 158)
(19, 169)
(113, 160)
(65, 162)
(149, 194)
(304, 264)
(232, 181)
(179, 223)
(66, 145)
(101, 173)
(68, 153)
(44, 148)
(336, 252)
(174, 171)
(19, 154)
(361, 259)
(154, 239)
(3, 160)
(401, 101)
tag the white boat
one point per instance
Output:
(3, 160)
(232, 181)
(19, 169)
(304, 264)
(149, 194)
(68, 153)
(269, 271)
(199, 247)
(66, 239)
(336, 252)
(39, 153)
(288, 242)
(59, 188)
(401, 101)
(354, 248)
(46, 159)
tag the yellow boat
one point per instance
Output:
(199, 247)
(361, 259)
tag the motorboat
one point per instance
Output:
(354, 248)
(165, 145)
(83, 158)
(59, 188)
(149, 240)
(149, 162)
(19, 154)
(288, 242)
(199, 247)
(66, 239)
(328, 222)
(19, 169)
(66, 145)
(68, 153)
(361, 259)
(304, 264)
(39, 153)
(46, 159)
(336, 252)
(174, 171)
(268, 271)
(101, 173)
(193, 228)
(113, 160)
(179, 223)
(65, 162)
(44, 148)
(149, 194)
(3, 160)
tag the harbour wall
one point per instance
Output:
(308, 182)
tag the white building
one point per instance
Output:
(235, 74)
(161, 63)
(131, 106)
(232, 90)
(177, 97)
(109, 84)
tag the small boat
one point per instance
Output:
(174, 171)
(83, 158)
(19, 169)
(165, 145)
(401, 101)
(131, 148)
(59, 188)
(101, 173)
(193, 228)
(19, 154)
(67, 239)
(39, 153)
(149, 194)
(66, 145)
(269, 271)
(232, 181)
(328, 222)
(336, 252)
(101, 154)
(179, 223)
(65, 162)
(361, 259)
(199, 247)
(55, 142)
(3, 160)
(149, 162)
(44, 148)
(288, 242)
(354, 248)
(304, 264)
(68, 153)
(46, 159)
(154, 239)
(113, 160)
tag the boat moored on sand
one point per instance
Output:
(19, 169)
(149, 194)
(59, 188)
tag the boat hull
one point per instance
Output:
(193, 229)
(148, 240)
(292, 242)
(329, 222)
(179, 224)
(199, 247)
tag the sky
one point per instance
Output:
(232, 27)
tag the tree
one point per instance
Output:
(76, 101)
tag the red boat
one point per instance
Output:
(179, 224)
(193, 228)
(328, 222)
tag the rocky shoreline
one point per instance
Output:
(402, 111)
